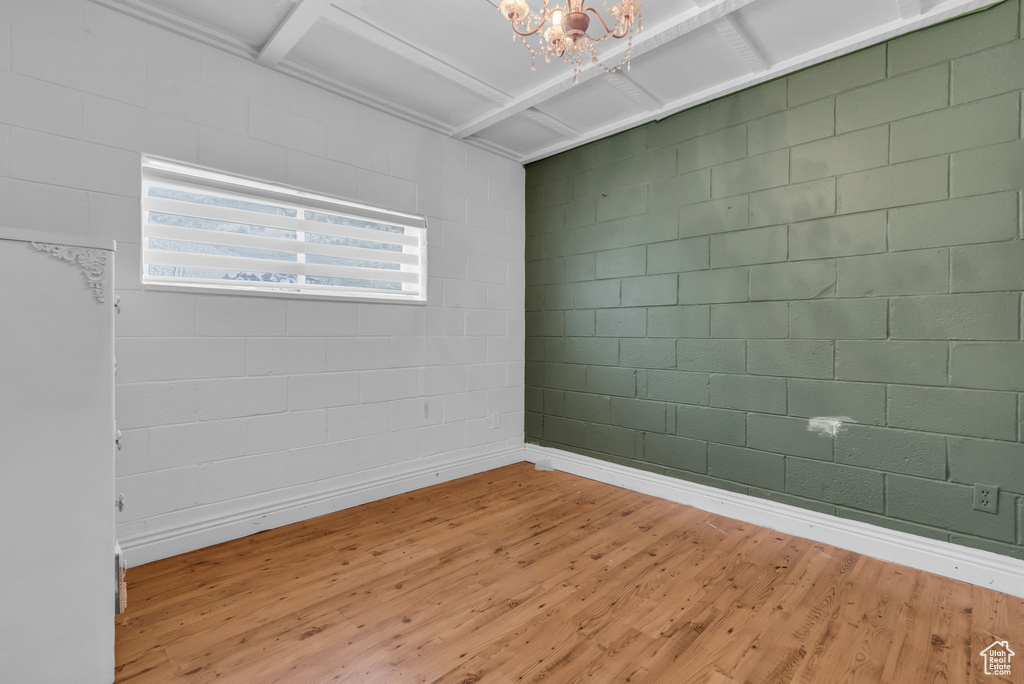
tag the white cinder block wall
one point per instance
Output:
(234, 407)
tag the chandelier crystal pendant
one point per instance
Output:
(566, 33)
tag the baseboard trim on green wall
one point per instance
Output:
(981, 568)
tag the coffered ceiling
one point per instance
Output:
(452, 66)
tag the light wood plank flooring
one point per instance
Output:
(517, 575)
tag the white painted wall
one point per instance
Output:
(235, 404)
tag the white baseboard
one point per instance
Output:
(980, 568)
(156, 544)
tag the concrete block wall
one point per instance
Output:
(231, 402)
(845, 241)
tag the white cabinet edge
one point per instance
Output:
(65, 239)
(94, 264)
(90, 254)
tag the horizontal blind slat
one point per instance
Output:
(214, 237)
(162, 205)
(159, 257)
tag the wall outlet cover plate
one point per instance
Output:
(986, 498)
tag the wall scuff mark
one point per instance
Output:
(828, 425)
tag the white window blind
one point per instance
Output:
(204, 229)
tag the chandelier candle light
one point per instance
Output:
(566, 34)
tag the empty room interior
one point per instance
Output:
(511, 341)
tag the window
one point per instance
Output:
(207, 230)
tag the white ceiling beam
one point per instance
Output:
(632, 90)
(742, 44)
(642, 43)
(909, 8)
(739, 40)
(287, 35)
(823, 54)
(182, 26)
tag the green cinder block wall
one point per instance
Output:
(846, 241)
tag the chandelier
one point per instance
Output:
(566, 33)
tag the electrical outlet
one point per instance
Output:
(986, 498)
(495, 421)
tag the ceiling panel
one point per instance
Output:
(591, 105)
(789, 28)
(453, 67)
(350, 58)
(687, 65)
(657, 12)
(521, 134)
(252, 21)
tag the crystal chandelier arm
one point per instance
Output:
(534, 30)
(597, 14)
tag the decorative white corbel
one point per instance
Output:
(93, 263)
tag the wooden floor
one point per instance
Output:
(517, 575)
